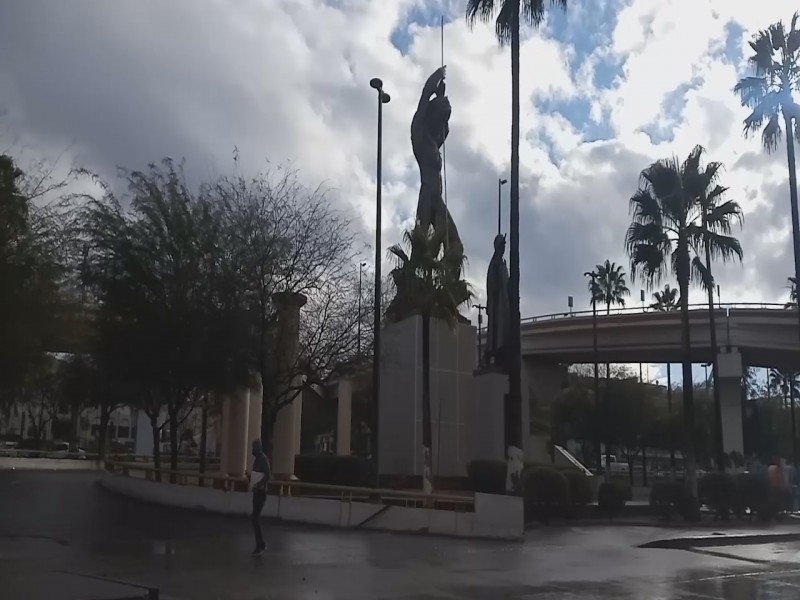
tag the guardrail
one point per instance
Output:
(144, 458)
(298, 488)
(630, 310)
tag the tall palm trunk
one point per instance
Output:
(688, 387)
(427, 442)
(794, 431)
(669, 410)
(793, 199)
(605, 419)
(514, 426)
(714, 362)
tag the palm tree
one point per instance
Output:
(667, 301)
(507, 28)
(608, 288)
(428, 283)
(666, 235)
(792, 303)
(769, 94)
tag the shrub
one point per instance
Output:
(717, 491)
(611, 498)
(581, 487)
(334, 470)
(666, 497)
(756, 494)
(487, 476)
(546, 493)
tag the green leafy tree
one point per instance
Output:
(507, 29)
(792, 303)
(666, 236)
(428, 283)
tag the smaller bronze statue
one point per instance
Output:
(497, 307)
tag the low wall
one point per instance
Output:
(495, 517)
(52, 464)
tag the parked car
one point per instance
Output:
(61, 450)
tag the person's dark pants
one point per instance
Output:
(259, 498)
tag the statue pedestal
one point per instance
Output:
(452, 361)
(486, 431)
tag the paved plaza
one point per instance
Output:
(59, 521)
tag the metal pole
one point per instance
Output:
(500, 183)
(358, 343)
(719, 450)
(480, 327)
(383, 98)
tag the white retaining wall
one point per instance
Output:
(52, 464)
(498, 517)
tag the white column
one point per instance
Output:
(235, 411)
(730, 393)
(344, 417)
(286, 432)
(254, 419)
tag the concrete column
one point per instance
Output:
(730, 393)
(344, 417)
(253, 418)
(286, 433)
(235, 409)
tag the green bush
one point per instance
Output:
(334, 470)
(666, 497)
(717, 491)
(611, 498)
(546, 493)
(487, 476)
(581, 487)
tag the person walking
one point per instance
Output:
(258, 482)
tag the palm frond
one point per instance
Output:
(701, 274)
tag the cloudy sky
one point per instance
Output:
(607, 88)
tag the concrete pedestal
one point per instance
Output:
(486, 422)
(344, 407)
(453, 357)
(730, 395)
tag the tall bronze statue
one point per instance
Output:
(497, 307)
(429, 129)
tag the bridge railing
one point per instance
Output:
(461, 503)
(630, 310)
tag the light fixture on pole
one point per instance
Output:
(383, 98)
(500, 184)
(569, 303)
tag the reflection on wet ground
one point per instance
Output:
(61, 520)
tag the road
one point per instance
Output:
(61, 520)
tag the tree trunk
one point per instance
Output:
(427, 442)
(174, 439)
(719, 449)
(514, 425)
(688, 387)
(794, 431)
(644, 466)
(793, 199)
(102, 435)
(630, 469)
(156, 445)
(203, 435)
(669, 410)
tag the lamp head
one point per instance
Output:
(376, 83)
(385, 97)
(364, 264)
(503, 181)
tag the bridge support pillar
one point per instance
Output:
(730, 393)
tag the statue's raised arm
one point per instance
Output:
(434, 83)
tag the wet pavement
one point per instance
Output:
(59, 520)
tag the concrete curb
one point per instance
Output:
(707, 541)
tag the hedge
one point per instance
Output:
(667, 498)
(611, 497)
(546, 493)
(487, 476)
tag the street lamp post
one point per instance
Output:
(480, 308)
(383, 98)
(500, 183)
(358, 342)
(598, 454)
